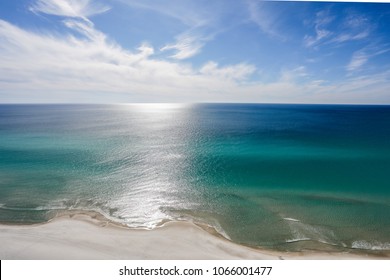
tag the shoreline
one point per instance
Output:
(90, 235)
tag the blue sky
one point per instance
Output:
(96, 51)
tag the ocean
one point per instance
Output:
(280, 177)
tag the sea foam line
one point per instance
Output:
(291, 219)
(370, 245)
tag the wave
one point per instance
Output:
(298, 239)
(291, 219)
(38, 208)
(321, 234)
(59, 208)
(305, 232)
(371, 245)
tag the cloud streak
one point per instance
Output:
(185, 47)
(321, 30)
(187, 12)
(237, 72)
(69, 8)
(358, 59)
(354, 27)
(265, 19)
(199, 24)
(361, 57)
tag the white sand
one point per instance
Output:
(84, 237)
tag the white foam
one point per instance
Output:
(297, 239)
(47, 208)
(370, 245)
(291, 219)
(303, 232)
(2, 206)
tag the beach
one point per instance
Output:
(85, 235)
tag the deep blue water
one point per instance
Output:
(288, 177)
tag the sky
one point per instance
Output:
(251, 51)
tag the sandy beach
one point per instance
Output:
(89, 236)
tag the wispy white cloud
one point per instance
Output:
(358, 59)
(371, 89)
(190, 13)
(321, 22)
(69, 8)
(265, 19)
(353, 27)
(344, 37)
(85, 28)
(236, 72)
(294, 74)
(200, 24)
(185, 46)
(361, 57)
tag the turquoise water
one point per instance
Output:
(286, 177)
